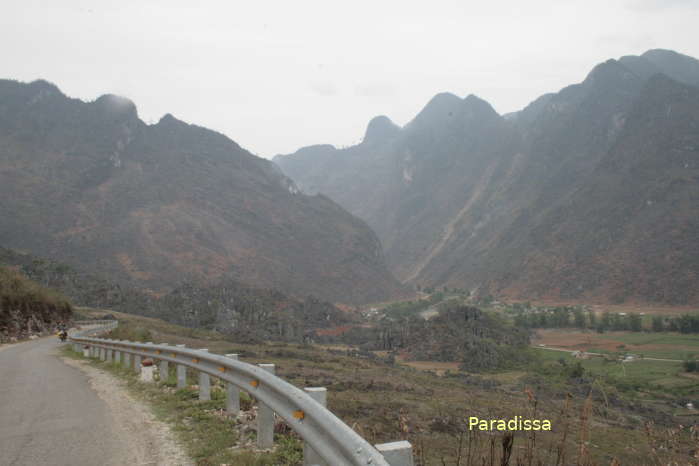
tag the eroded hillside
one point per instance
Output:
(587, 193)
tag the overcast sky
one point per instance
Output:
(276, 76)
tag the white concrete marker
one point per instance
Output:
(310, 457)
(204, 384)
(181, 373)
(397, 453)
(265, 419)
(164, 369)
(232, 393)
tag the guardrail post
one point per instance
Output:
(163, 368)
(204, 384)
(397, 453)
(181, 373)
(103, 354)
(137, 363)
(310, 457)
(117, 356)
(232, 392)
(147, 367)
(265, 419)
(127, 357)
(110, 355)
(86, 351)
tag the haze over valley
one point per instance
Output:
(325, 233)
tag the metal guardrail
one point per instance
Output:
(333, 440)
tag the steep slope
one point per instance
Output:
(26, 307)
(412, 186)
(531, 205)
(153, 205)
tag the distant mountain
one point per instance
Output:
(152, 206)
(587, 193)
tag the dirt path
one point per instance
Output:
(151, 441)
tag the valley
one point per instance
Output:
(542, 263)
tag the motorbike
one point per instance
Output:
(62, 336)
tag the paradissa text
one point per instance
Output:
(517, 423)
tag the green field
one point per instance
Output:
(664, 345)
(634, 374)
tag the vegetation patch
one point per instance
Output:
(27, 307)
(209, 435)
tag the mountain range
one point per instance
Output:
(588, 193)
(153, 206)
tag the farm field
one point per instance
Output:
(626, 307)
(664, 345)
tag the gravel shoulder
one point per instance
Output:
(151, 441)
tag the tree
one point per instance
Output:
(579, 318)
(658, 325)
(635, 322)
(592, 317)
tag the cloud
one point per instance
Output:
(375, 89)
(324, 88)
(652, 5)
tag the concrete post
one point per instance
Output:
(397, 453)
(147, 371)
(86, 351)
(137, 363)
(181, 373)
(127, 358)
(103, 354)
(110, 355)
(164, 369)
(204, 384)
(310, 457)
(233, 394)
(117, 357)
(265, 419)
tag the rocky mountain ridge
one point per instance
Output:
(152, 206)
(587, 193)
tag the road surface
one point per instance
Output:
(49, 415)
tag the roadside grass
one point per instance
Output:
(385, 402)
(209, 436)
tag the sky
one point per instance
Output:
(275, 76)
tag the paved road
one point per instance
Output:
(49, 415)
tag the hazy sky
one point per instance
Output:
(275, 76)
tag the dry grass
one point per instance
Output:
(385, 403)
